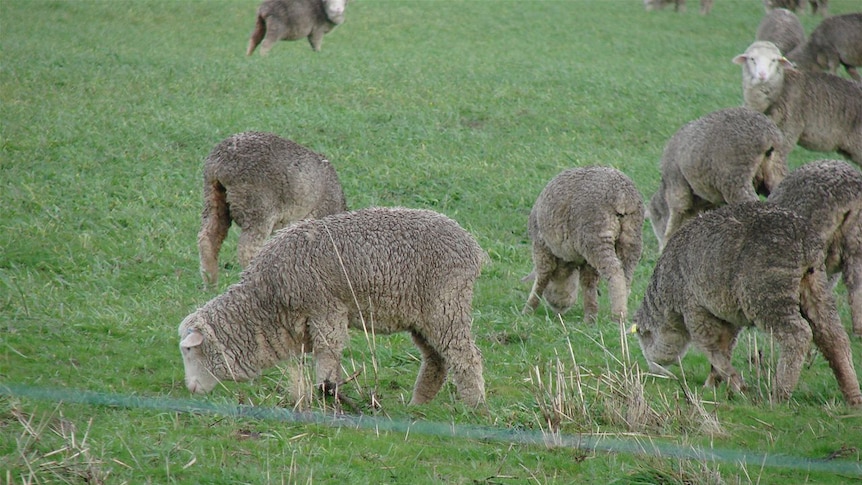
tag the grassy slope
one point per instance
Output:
(469, 108)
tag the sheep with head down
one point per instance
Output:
(723, 157)
(378, 269)
(749, 264)
(261, 182)
(585, 224)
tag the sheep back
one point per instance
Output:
(586, 223)
(382, 270)
(737, 266)
(781, 27)
(261, 182)
(828, 193)
(726, 156)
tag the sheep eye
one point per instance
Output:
(769, 152)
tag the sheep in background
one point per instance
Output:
(294, 19)
(263, 183)
(749, 264)
(724, 157)
(837, 41)
(380, 270)
(586, 223)
(816, 5)
(828, 193)
(783, 28)
(678, 5)
(819, 111)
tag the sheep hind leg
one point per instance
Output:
(449, 336)
(215, 223)
(818, 307)
(251, 239)
(543, 263)
(589, 281)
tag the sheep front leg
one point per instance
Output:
(329, 338)
(589, 281)
(717, 339)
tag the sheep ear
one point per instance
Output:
(740, 59)
(193, 339)
(786, 63)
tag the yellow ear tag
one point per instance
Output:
(633, 328)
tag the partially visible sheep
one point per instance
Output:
(294, 19)
(381, 270)
(783, 28)
(828, 193)
(678, 5)
(263, 183)
(749, 264)
(837, 41)
(726, 156)
(586, 223)
(819, 111)
(816, 5)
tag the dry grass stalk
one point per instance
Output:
(71, 462)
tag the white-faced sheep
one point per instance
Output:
(678, 5)
(749, 264)
(837, 41)
(294, 19)
(382, 270)
(585, 224)
(263, 183)
(783, 28)
(726, 156)
(828, 193)
(819, 111)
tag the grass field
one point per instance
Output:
(464, 107)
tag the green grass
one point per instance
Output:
(465, 107)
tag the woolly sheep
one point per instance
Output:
(828, 193)
(783, 28)
(819, 111)
(678, 5)
(294, 19)
(586, 223)
(726, 156)
(748, 264)
(837, 41)
(379, 269)
(262, 182)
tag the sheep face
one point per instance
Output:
(335, 10)
(762, 62)
(206, 362)
(661, 345)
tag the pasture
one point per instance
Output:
(108, 109)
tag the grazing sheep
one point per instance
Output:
(726, 156)
(263, 183)
(819, 111)
(382, 270)
(678, 5)
(783, 28)
(837, 41)
(828, 193)
(586, 223)
(816, 5)
(749, 264)
(294, 19)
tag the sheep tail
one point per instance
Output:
(256, 35)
